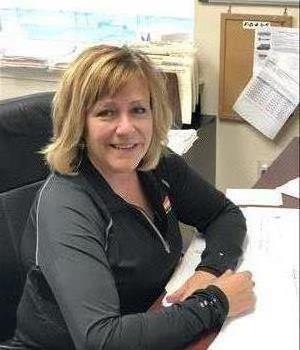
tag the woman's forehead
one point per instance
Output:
(131, 93)
(134, 82)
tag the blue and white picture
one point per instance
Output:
(97, 20)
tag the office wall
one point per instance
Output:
(12, 87)
(240, 148)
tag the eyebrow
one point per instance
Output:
(140, 101)
(111, 103)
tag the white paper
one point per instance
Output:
(291, 188)
(262, 47)
(272, 95)
(180, 141)
(272, 255)
(187, 265)
(285, 39)
(269, 39)
(264, 197)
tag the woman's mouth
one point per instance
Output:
(127, 146)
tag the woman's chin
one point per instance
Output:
(124, 168)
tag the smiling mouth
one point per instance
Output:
(124, 147)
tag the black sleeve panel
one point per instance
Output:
(72, 258)
(199, 204)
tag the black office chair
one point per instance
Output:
(25, 128)
(14, 209)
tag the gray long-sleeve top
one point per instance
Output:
(96, 263)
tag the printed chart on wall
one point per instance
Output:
(272, 94)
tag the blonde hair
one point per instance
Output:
(98, 72)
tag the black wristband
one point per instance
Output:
(220, 295)
(214, 299)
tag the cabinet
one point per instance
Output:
(202, 155)
(202, 158)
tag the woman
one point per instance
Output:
(102, 238)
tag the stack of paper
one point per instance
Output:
(34, 53)
(180, 141)
(180, 58)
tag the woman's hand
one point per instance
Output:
(238, 287)
(199, 280)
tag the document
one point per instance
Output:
(272, 255)
(262, 47)
(272, 94)
(187, 265)
(180, 141)
(279, 39)
(264, 197)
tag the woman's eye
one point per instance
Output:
(105, 113)
(139, 110)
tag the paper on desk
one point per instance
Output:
(291, 188)
(186, 267)
(264, 197)
(180, 141)
(272, 254)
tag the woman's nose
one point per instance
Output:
(125, 125)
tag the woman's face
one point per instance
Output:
(119, 129)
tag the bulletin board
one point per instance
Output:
(236, 56)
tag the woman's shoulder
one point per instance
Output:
(60, 191)
(60, 185)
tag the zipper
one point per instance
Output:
(163, 241)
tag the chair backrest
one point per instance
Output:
(25, 127)
(14, 209)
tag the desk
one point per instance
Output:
(283, 169)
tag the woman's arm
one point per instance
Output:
(199, 204)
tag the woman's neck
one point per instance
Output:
(124, 183)
(127, 186)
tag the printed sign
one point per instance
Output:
(255, 24)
